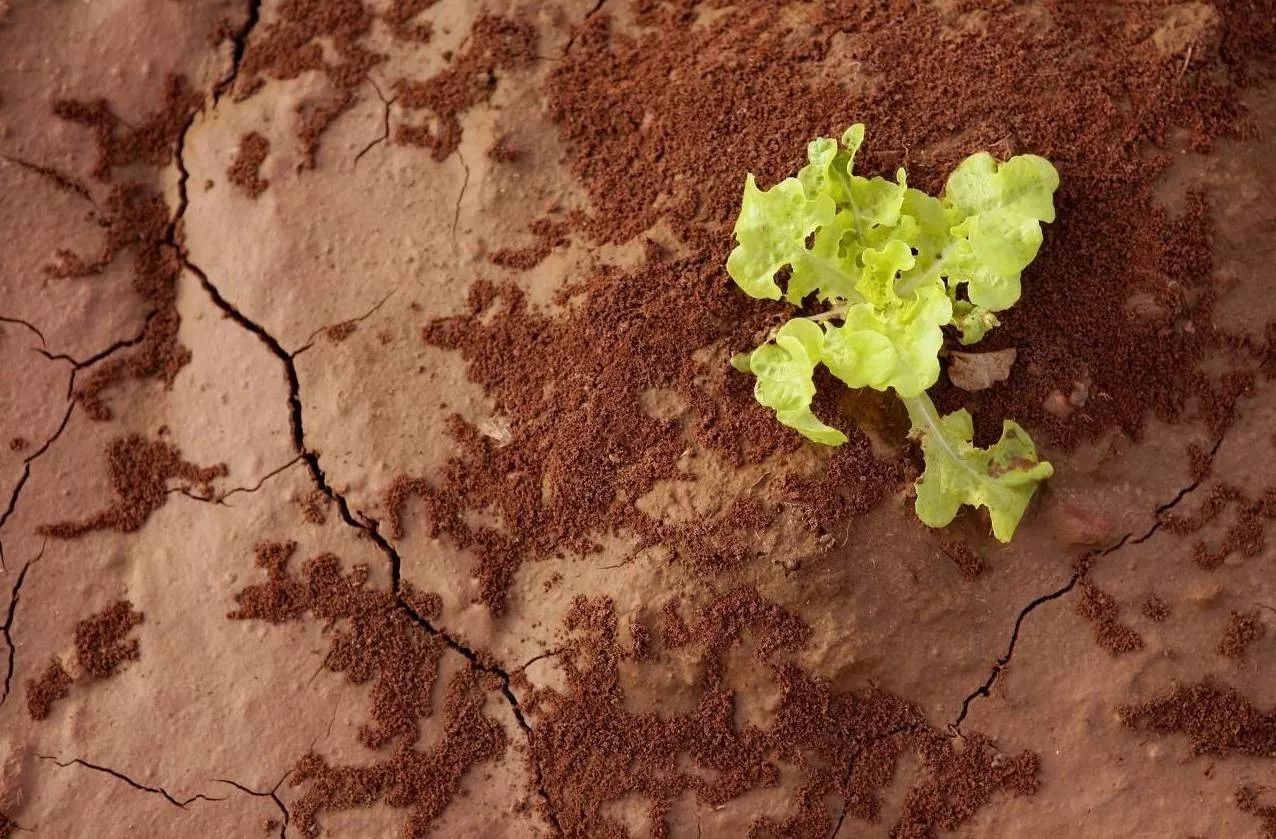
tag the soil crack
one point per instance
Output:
(456, 212)
(239, 43)
(101, 355)
(26, 471)
(27, 324)
(134, 784)
(60, 179)
(1080, 568)
(385, 127)
(367, 526)
(7, 629)
(221, 497)
(272, 794)
(310, 339)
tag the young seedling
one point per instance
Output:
(894, 266)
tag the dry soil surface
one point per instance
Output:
(371, 464)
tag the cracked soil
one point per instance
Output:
(371, 463)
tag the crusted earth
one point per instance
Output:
(371, 463)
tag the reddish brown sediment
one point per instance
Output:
(1242, 630)
(1216, 718)
(152, 142)
(1104, 614)
(245, 170)
(136, 219)
(494, 44)
(54, 684)
(378, 642)
(100, 643)
(686, 619)
(140, 472)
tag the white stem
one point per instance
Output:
(925, 418)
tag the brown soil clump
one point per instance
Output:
(424, 781)
(504, 150)
(1242, 630)
(630, 333)
(1247, 534)
(314, 507)
(852, 482)
(100, 649)
(1247, 800)
(100, 643)
(376, 640)
(54, 684)
(400, 16)
(968, 561)
(152, 142)
(293, 44)
(1155, 609)
(550, 234)
(494, 44)
(140, 471)
(340, 331)
(245, 170)
(592, 751)
(18, 444)
(1215, 718)
(1103, 613)
(136, 219)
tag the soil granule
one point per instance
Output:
(376, 640)
(151, 142)
(1101, 610)
(1243, 629)
(100, 643)
(1248, 802)
(1215, 718)
(140, 471)
(1155, 608)
(136, 219)
(494, 44)
(54, 684)
(591, 751)
(245, 170)
(314, 507)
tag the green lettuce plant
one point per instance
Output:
(892, 266)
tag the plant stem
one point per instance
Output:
(835, 312)
(925, 418)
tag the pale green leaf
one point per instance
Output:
(1003, 205)
(1001, 478)
(830, 266)
(771, 231)
(882, 267)
(897, 347)
(784, 370)
(972, 322)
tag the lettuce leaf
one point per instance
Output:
(784, 369)
(1001, 478)
(898, 348)
(772, 230)
(1003, 205)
